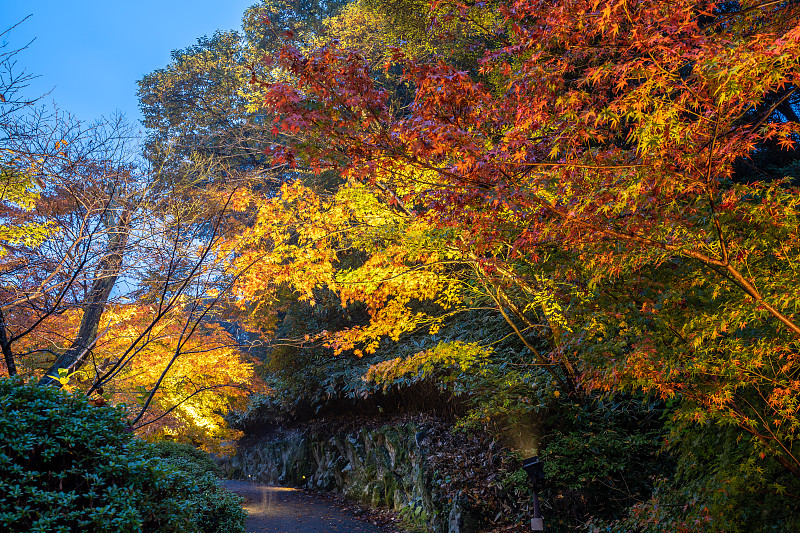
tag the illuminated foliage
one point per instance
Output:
(80, 214)
(209, 374)
(302, 240)
(193, 378)
(18, 194)
(595, 187)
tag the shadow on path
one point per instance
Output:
(285, 510)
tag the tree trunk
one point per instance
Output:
(108, 270)
(8, 355)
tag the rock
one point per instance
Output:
(461, 519)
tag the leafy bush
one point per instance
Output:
(602, 457)
(215, 509)
(187, 457)
(67, 466)
(718, 487)
(413, 516)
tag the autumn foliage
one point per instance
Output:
(598, 177)
(108, 281)
(577, 217)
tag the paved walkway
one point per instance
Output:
(285, 510)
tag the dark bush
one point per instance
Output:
(602, 457)
(67, 466)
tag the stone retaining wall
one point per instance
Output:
(379, 467)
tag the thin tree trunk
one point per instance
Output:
(8, 355)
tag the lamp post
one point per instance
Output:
(535, 470)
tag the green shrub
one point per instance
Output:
(67, 466)
(190, 459)
(215, 509)
(718, 487)
(602, 457)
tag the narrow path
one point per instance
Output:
(285, 510)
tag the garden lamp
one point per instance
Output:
(535, 470)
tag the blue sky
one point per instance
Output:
(90, 53)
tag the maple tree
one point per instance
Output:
(103, 221)
(590, 170)
(180, 376)
(78, 190)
